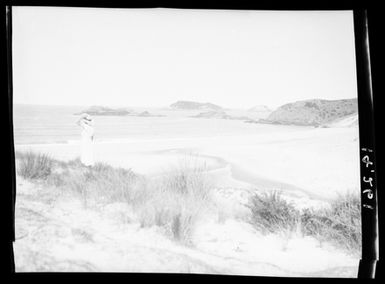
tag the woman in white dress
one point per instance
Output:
(87, 125)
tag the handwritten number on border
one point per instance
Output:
(368, 192)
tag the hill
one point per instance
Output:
(314, 112)
(190, 105)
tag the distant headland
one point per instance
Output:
(315, 112)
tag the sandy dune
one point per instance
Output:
(56, 233)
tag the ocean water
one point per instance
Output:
(35, 124)
(57, 124)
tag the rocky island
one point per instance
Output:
(107, 111)
(102, 110)
(190, 105)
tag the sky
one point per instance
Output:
(154, 57)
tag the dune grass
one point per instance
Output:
(34, 166)
(273, 214)
(176, 200)
(173, 201)
(339, 224)
(100, 184)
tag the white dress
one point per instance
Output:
(87, 156)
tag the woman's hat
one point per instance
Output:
(85, 116)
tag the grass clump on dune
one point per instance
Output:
(176, 200)
(273, 214)
(338, 224)
(34, 166)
